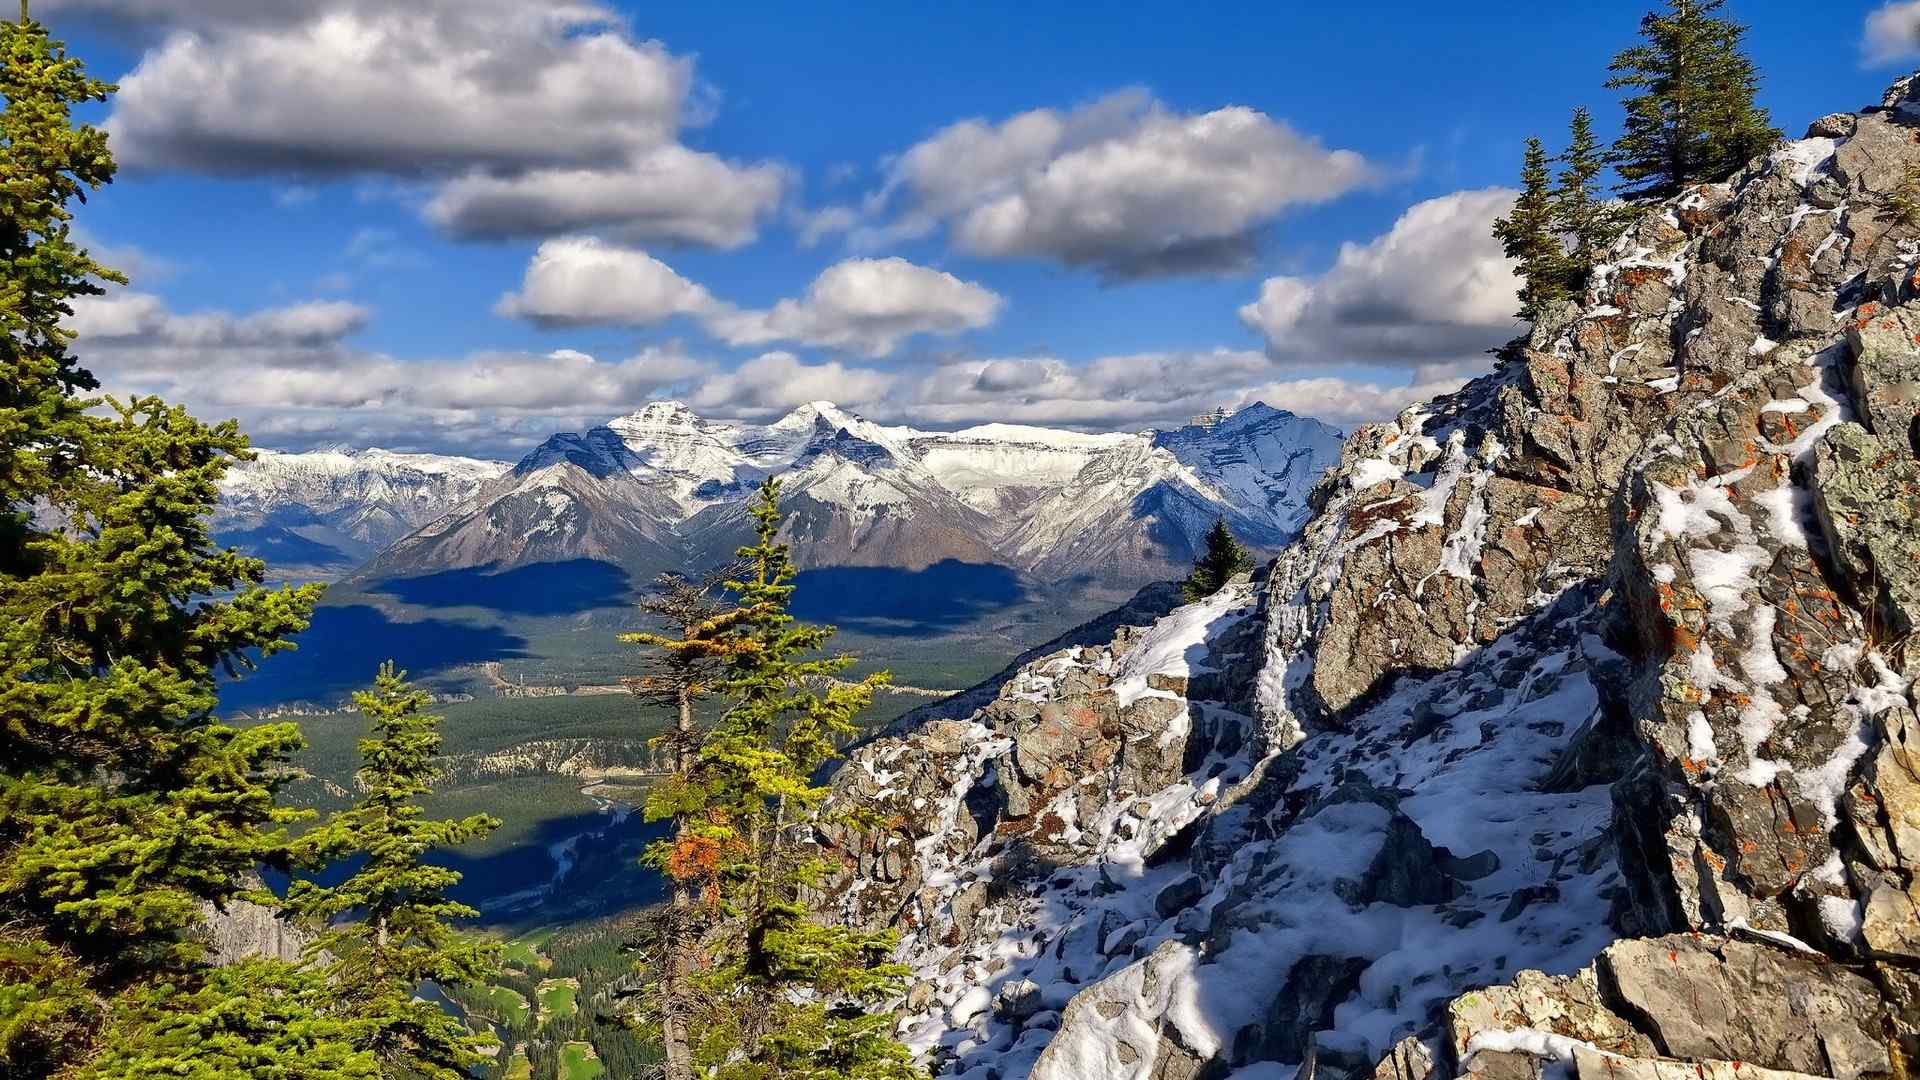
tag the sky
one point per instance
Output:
(461, 225)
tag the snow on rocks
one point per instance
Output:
(1577, 727)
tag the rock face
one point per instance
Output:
(1577, 729)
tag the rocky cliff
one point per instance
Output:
(1576, 730)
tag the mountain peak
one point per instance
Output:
(657, 414)
(809, 414)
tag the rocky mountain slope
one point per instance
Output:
(327, 511)
(663, 488)
(1575, 732)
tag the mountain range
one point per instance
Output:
(665, 489)
(322, 513)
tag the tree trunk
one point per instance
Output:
(682, 930)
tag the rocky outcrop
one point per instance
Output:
(1576, 730)
(243, 930)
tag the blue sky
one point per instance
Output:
(751, 205)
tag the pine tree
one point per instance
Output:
(1528, 236)
(125, 807)
(681, 668)
(785, 995)
(385, 930)
(1692, 117)
(1217, 565)
(1589, 224)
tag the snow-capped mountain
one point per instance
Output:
(663, 488)
(328, 510)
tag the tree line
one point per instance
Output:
(131, 815)
(1691, 118)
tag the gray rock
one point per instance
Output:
(1713, 998)
(1018, 1001)
(245, 930)
(1179, 896)
(1589, 1064)
(1314, 989)
(1410, 1059)
(1571, 1006)
(1834, 126)
(1868, 497)
(1885, 372)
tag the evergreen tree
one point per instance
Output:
(784, 995)
(681, 668)
(1589, 224)
(1217, 565)
(126, 808)
(385, 930)
(1691, 116)
(1528, 235)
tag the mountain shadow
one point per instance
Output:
(345, 645)
(281, 546)
(888, 601)
(549, 588)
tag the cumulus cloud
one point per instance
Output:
(1892, 32)
(580, 281)
(291, 376)
(1142, 390)
(294, 380)
(1124, 186)
(775, 382)
(526, 119)
(134, 316)
(1434, 289)
(670, 194)
(868, 306)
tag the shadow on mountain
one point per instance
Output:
(284, 547)
(888, 601)
(343, 648)
(552, 588)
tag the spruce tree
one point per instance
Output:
(1223, 558)
(126, 808)
(785, 994)
(682, 667)
(1528, 236)
(1589, 224)
(1691, 115)
(386, 930)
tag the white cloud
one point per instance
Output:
(1124, 185)
(669, 194)
(776, 382)
(868, 306)
(126, 317)
(580, 281)
(528, 119)
(1435, 288)
(863, 305)
(291, 378)
(1892, 32)
(1141, 390)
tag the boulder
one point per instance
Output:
(1570, 1007)
(1885, 372)
(1410, 1059)
(1590, 1064)
(1868, 496)
(1717, 998)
